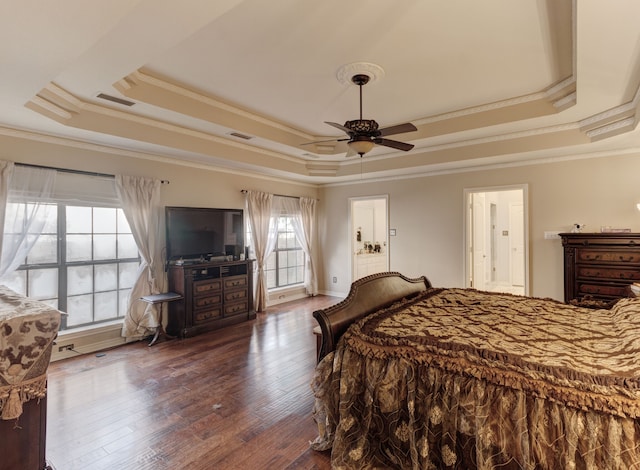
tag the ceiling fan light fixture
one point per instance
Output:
(361, 146)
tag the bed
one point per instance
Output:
(28, 329)
(414, 376)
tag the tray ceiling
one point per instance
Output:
(245, 84)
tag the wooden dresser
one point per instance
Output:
(600, 266)
(214, 295)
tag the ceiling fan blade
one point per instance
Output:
(322, 141)
(340, 126)
(399, 129)
(394, 144)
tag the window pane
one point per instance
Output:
(106, 307)
(271, 261)
(80, 310)
(271, 279)
(79, 280)
(14, 211)
(282, 259)
(16, 281)
(128, 274)
(127, 246)
(51, 224)
(123, 225)
(78, 248)
(282, 241)
(45, 250)
(43, 283)
(282, 277)
(106, 277)
(292, 275)
(104, 220)
(294, 241)
(78, 219)
(104, 247)
(123, 301)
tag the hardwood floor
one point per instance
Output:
(236, 398)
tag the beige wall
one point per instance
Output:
(427, 213)
(189, 185)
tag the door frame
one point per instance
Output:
(352, 234)
(468, 227)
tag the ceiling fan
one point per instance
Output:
(364, 133)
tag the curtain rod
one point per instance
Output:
(76, 172)
(245, 191)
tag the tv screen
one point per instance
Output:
(195, 232)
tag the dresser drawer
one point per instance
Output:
(207, 315)
(205, 302)
(236, 308)
(231, 296)
(602, 290)
(608, 257)
(607, 273)
(206, 287)
(235, 282)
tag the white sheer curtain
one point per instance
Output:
(25, 213)
(6, 170)
(140, 199)
(264, 235)
(302, 212)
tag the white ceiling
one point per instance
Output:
(487, 82)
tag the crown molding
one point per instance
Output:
(217, 166)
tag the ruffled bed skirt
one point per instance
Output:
(392, 413)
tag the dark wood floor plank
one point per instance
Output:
(234, 398)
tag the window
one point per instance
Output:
(85, 261)
(285, 265)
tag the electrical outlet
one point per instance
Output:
(66, 347)
(335, 279)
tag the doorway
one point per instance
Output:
(369, 231)
(496, 241)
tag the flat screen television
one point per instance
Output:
(193, 233)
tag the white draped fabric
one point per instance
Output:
(140, 199)
(25, 212)
(302, 212)
(6, 170)
(264, 236)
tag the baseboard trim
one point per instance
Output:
(87, 341)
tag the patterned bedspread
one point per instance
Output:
(457, 378)
(27, 331)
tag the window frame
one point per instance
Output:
(61, 265)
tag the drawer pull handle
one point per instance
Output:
(626, 259)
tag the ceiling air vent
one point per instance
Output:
(115, 99)
(240, 136)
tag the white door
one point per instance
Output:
(369, 235)
(516, 243)
(497, 241)
(479, 239)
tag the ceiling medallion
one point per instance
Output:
(348, 71)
